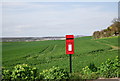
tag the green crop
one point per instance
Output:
(45, 54)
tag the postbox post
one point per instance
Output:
(70, 48)
(70, 63)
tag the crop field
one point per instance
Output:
(45, 54)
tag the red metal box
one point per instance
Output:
(69, 44)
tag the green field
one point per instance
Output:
(45, 54)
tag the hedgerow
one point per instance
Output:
(54, 73)
(108, 69)
(26, 72)
(20, 72)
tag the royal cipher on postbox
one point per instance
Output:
(69, 44)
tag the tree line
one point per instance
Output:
(112, 30)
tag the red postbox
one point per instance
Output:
(69, 44)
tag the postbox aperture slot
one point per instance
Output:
(69, 38)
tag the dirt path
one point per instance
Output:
(114, 47)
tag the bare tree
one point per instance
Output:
(115, 20)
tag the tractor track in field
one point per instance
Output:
(114, 47)
(36, 56)
(44, 49)
(53, 48)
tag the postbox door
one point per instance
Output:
(69, 46)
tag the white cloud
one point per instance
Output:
(23, 26)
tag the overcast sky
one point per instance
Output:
(38, 19)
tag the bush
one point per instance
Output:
(54, 73)
(6, 74)
(110, 68)
(87, 73)
(21, 72)
(28, 73)
(92, 67)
